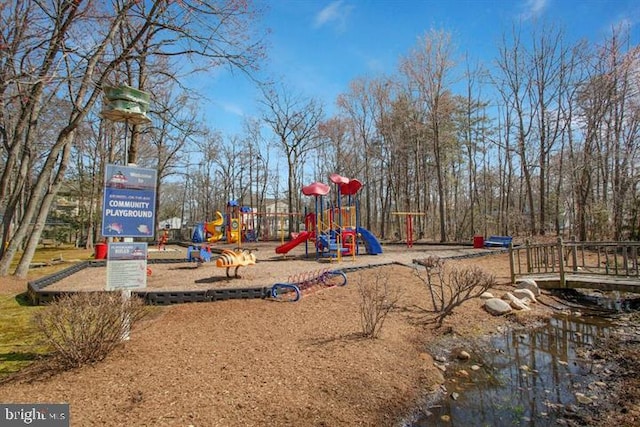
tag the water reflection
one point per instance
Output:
(523, 377)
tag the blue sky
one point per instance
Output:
(318, 47)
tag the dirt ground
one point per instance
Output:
(264, 362)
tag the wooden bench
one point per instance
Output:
(498, 241)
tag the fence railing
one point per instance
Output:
(561, 258)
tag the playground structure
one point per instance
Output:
(294, 287)
(235, 226)
(214, 228)
(409, 224)
(241, 224)
(211, 231)
(229, 259)
(334, 229)
(199, 253)
(164, 238)
(273, 225)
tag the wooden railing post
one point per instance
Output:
(528, 255)
(563, 282)
(574, 253)
(512, 263)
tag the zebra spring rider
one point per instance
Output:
(295, 285)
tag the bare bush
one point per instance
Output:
(377, 299)
(84, 327)
(450, 287)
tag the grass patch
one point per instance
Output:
(19, 339)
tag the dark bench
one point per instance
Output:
(500, 241)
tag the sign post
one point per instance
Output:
(128, 211)
(129, 201)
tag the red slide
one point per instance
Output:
(304, 235)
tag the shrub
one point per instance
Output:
(377, 299)
(450, 287)
(84, 327)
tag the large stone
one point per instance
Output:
(486, 295)
(514, 302)
(529, 284)
(524, 293)
(497, 307)
(463, 355)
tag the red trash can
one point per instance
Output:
(101, 251)
(478, 242)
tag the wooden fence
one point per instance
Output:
(565, 259)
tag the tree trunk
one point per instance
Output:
(23, 265)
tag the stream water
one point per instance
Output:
(521, 378)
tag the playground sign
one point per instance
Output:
(126, 266)
(129, 201)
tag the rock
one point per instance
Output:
(497, 307)
(529, 284)
(440, 359)
(524, 294)
(486, 295)
(515, 303)
(518, 304)
(440, 366)
(463, 355)
(455, 395)
(585, 400)
(462, 373)
(445, 418)
(475, 367)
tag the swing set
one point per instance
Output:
(408, 217)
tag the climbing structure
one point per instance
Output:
(296, 285)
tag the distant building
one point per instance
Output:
(174, 223)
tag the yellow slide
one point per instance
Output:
(214, 228)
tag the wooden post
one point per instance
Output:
(574, 253)
(512, 263)
(527, 245)
(563, 280)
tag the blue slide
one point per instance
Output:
(371, 243)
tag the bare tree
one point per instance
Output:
(336, 152)
(55, 59)
(473, 123)
(429, 68)
(514, 86)
(259, 155)
(174, 124)
(294, 120)
(450, 287)
(358, 105)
